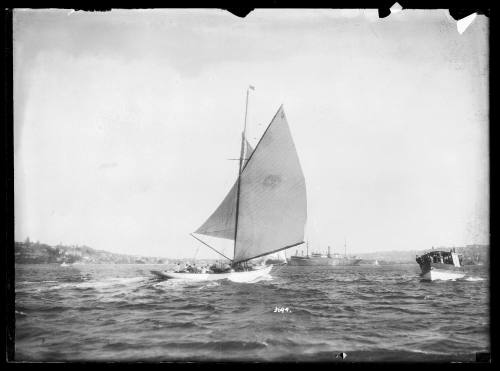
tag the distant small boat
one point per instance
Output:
(440, 265)
(64, 264)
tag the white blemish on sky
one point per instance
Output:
(464, 23)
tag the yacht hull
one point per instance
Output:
(246, 276)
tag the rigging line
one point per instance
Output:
(271, 252)
(206, 244)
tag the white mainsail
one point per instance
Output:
(270, 212)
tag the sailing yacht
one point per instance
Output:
(264, 212)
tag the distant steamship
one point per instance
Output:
(318, 259)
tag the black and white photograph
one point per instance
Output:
(287, 185)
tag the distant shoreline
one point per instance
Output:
(28, 252)
(38, 253)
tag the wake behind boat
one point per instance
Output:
(265, 210)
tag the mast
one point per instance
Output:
(345, 247)
(239, 171)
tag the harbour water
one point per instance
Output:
(371, 313)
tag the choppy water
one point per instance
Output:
(120, 312)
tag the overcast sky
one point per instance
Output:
(124, 122)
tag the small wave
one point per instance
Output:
(181, 285)
(192, 306)
(183, 325)
(95, 284)
(397, 296)
(264, 278)
(226, 346)
(182, 313)
(365, 297)
(213, 284)
(207, 285)
(113, 281)
(35, 282)
(473, 279)
(393, 309)
(122, 346)
(302, 311)
(58, 287)
(406, 355)
(299, 291)
(255, 280)
(134, 306)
